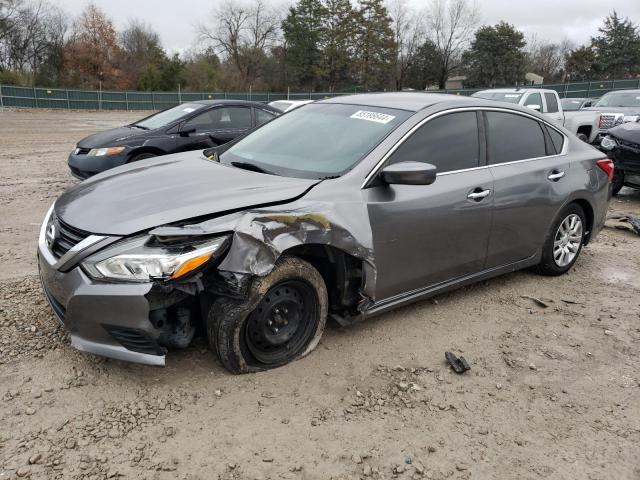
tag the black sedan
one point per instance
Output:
(190, 126)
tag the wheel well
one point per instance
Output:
(342, 274)
(138, 151)
(588, 212)
(586, 129)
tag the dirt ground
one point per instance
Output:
(553, 392)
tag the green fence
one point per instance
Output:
(37, 97)
(590, 89)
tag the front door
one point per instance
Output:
(214, 127)
(424, 235)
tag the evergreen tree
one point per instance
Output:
(496, 57)
(375, 45)
(617, 47)
(303, 33)
(337, 45)
(580, 64)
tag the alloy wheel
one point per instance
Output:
(567, 240)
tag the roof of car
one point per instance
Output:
(514, 90)
(632, 90)
(222, 101)
(412, 101)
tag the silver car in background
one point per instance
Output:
(345, 208)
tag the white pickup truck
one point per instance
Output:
(583, 123)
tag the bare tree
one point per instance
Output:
(242, 33)
(409, 31)
(451, 24)
(545, 58)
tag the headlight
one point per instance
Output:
(143, 260)
(608, 143)
(99, 152)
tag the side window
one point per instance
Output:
(449, 142)
(534, 99)
(202, 122)
(557, 139)
(513, 137)
(262, 116)
(552, 102)
(231, 117)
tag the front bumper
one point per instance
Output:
(85, 166)
(107, 319)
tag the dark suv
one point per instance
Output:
(189, 126)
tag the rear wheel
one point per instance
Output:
(564, 242)
(282, 320)
(583, 137)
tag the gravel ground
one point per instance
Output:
(553, 391)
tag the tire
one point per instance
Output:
(618, 182)
(583, 137)
(141, 156)
(552, 262)
(281, 321)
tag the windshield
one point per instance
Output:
(316, 140)
(499, 96)
(165, 117)
(628, 99)
(571, 103)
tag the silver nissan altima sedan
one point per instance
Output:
(343, 209)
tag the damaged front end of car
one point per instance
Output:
(138, 297)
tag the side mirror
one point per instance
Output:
(409, 173)
(535, 107)
(185, 132)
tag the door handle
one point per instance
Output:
(555, 176)
(477, 196)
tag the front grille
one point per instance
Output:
(66, 237)
(609, 121)
(135, 340)
(635, 147)
(82, 151)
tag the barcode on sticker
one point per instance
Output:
(373, 116)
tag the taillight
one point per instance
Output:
(606, 165)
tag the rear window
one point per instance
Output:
(513, 137)
(557, 139)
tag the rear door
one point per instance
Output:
(530, 184)
(553, 107)
(424, 235)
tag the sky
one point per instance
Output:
(552, 20)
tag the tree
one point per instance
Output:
(547, 59)
(617, 48)
(424, 69)
(92, 53)
(303, 33)
(141, 52)
(201, 71)
(496, 56)
(409, 35)
(580, 64)
(375, 45)
(338, 25)
(242, 34)
(450, 29)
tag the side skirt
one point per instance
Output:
(406, 298)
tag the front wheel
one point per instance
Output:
(142, 156)
(282, 320)
(564, 242)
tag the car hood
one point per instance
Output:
(110, 138)
(628, 132)
(625, 110)
(172, 188)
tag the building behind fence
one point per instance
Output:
(71, 99)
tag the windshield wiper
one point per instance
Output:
(252, 167)
(139, 126)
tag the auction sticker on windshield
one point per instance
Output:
(373, 116)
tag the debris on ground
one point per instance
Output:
(623, 221)
(459, 364)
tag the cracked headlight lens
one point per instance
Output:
(142, 260)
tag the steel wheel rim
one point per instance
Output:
(567, 241)
(282, 324)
